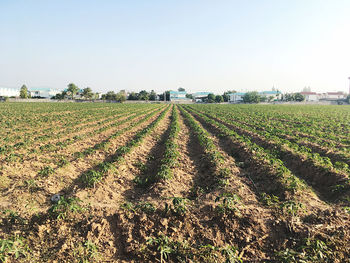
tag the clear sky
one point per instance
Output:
(200, 45)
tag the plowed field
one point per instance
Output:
(174, 183)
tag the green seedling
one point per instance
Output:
(64, 207)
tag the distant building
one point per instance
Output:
(274, 94)
(200, 96)
(311, 96)
(178, 96)
(43, 92)
(238, 96)
(328, 96)
(335, 95)
(9, 92)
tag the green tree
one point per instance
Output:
(270, 98)
(24, 92)
(120, 96)
(219, 98)
(263, 98)
(87, 93)
(211, 98)
(143, 95)
(181, 89)
(251, 97)
(152, 95)
(189, 96)
(73, 89)
(289, 97)
(133, 96)
(167, 96)
(110, 95)
(299, 97)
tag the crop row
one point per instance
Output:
(170, 155)
(285, 183)
(90, 178)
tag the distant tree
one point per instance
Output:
(167, 96)
(152, 95)
(348, 99)
(73, 89)
(211, 98)
(263, 98)
(289, 97)
(120, 96)
(133, 96)
(24, 92)
(251, 97)
(219, 98)
(270, 98)
(110, 95)
(143, 95)
(181, 89)
(87, 93)
(299, 97)
(96, 96)
(58, 96)
(189, 96)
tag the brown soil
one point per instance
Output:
(121, 217)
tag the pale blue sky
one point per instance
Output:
(200, 45)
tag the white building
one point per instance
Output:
(200, 96)
(43, 92)
(9, 92)
(311, 96)
(273, 94)
(236, 97)
(335, 95)
(178, 96)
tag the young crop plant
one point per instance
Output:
(177, 207)
(86, 252)
(163, 244)
(292, 208)
(13, 218)
(13, 248)
(145, 207)
(64, 207)
(312, 250)
(228, 203)
(46, 171)
(269, 200)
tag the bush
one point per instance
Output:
(251, 97)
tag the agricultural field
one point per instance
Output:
(94, 182)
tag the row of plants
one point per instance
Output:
(309, 136)
(117, 121)
(38, 125)
(105, 145)
(74, 131)
(326, 126)
(283, 149)
(213, 155)
(285, 180)
(170, 155)
(90, 178)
